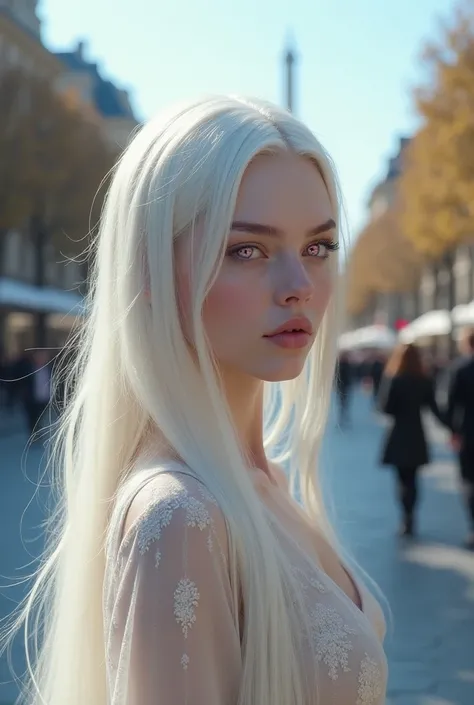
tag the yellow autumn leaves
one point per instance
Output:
(432, 207)
(52, 160)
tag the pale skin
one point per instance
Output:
(269, 275)
(266, 279)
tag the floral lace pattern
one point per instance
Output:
(339, 639)
(158, 516)
(370, 682)
(186, 599)
(306, 581)
(331, 639)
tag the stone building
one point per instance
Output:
(58, 300)
(442, 284)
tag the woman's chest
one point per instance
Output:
(342, 656)
(341, 625)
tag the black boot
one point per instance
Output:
(407, 528)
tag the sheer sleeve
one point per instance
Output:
(172, 623)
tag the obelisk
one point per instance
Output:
(290, 60)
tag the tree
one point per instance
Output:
(437, 185)
(52, 161)
(13, 156)
(381, 261)
(67, 160)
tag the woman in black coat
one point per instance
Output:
(405, 391)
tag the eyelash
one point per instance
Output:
(331, 246)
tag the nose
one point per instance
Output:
(294, 284)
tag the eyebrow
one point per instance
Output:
(261, 229)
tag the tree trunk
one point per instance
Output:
(437, 290)
(39, 237)
(3, 314)
(416, 302)
(3, 330)
(448, 263)
(471, 274)
(3, 239)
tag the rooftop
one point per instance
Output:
(109, 100)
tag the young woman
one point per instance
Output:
(182, 571)
(406, 391)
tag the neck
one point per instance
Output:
(245, 399)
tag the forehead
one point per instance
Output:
(284, 190)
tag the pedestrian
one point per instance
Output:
(183, 571)
(376, 373)
(33, 372)
(460, 419)
(344, 379)
(8, 385)
(406, 390)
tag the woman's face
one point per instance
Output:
(276, 273)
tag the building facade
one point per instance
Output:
(58, 301)
(442, 284)
(111, 103)
(20, 40)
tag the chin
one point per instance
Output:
(284, 373)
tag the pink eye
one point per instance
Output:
(321, 250)
(245, 252)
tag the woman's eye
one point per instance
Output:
(319, 249)
(245, 252)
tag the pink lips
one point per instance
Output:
(295, 333)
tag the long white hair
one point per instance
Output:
(134, 372)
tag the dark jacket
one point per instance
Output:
(404, 397)
(376, 373)
(460, 404)
(344, 375)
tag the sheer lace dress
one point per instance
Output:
(172, 622)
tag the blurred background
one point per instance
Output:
(389, 90)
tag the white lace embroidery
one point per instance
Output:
(370, 682)
(330, 639)
(305, 581)
(186, 599)
(149, 528)
(207, 496)
(158, 515)
(328, 633)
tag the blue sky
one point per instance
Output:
(358, 60)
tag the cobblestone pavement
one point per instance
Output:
(429, 583)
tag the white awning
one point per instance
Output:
(370, 337)
(430, 324)
(19, 295)
(463, 314)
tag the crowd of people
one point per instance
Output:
(404, 384)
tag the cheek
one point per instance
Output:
(229, 304)
(323, 289)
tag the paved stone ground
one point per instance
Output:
(429, 584)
